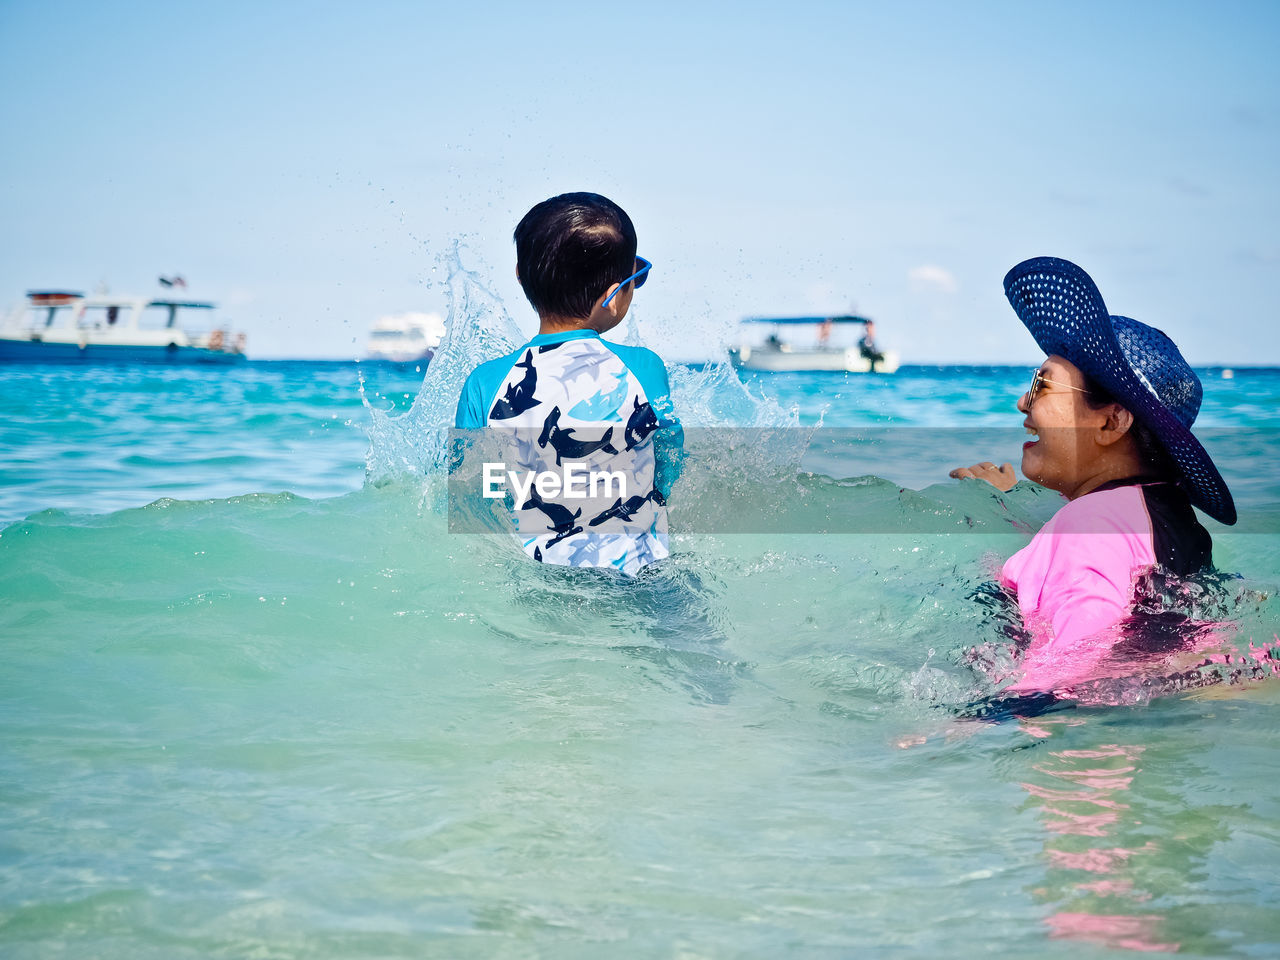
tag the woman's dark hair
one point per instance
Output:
(572, 248)
(1155, 459)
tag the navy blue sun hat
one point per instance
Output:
(1137, 364)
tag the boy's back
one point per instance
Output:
(573, 398)
(592, 443)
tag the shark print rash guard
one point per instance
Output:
(1075, 580)
(573, 402)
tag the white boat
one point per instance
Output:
(405, 338)
(58, 326)
(815, 353)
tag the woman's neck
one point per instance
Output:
(1115, 464)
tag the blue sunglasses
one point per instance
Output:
(640, 276)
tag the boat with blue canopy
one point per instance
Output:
(813, 344)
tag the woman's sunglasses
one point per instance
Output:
(1038, 380)
(640, 276)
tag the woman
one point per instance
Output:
(1110, 410)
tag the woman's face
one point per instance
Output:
(1064, 454)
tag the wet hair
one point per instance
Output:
(572, 248)
(1155, 459)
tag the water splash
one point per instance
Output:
(712, 395)
(477, 328)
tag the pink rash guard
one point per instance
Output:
(1075, 580)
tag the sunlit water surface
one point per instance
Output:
(257, 700)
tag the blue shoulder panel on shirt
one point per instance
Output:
(478, 393)
(648, 368)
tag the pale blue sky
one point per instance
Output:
(308, 165)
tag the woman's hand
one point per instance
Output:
(1001, 477)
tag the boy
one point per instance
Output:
(592, 436)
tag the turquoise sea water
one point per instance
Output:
(258, 700)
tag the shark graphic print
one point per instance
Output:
(574, 399)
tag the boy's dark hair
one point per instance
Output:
(572, 248)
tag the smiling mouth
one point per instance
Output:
(1035, 435)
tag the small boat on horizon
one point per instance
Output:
(776, 354)
(405, 338)
(61, 326)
